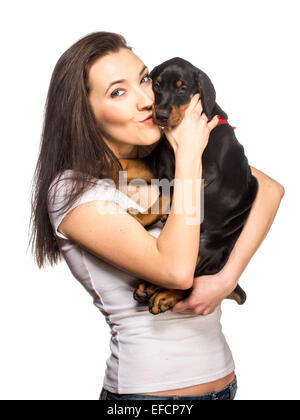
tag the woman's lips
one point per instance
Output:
(148, 121)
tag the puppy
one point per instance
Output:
(229, 189)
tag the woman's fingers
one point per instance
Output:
(195, 106)
(188, 308)
(213, 122)
(193, 103)
(203, 117)
(198, 107)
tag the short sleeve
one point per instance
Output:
(60, 189)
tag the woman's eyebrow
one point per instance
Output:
(123, 80)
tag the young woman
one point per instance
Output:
(98, 111)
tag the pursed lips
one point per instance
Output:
(149, 118)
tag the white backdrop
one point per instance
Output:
(54, 342)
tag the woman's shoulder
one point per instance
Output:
(65, 180)
(63, 195)
(100, 189)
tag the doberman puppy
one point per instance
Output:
(229, 188)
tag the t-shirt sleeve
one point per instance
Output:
(59, 192)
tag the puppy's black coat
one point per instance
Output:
(230, 187)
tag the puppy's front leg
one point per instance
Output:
(144, 291)
(165, 299)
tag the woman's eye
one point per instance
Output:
(146, 77)
(115, 93)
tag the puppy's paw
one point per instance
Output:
(164, 300)
(144, 291)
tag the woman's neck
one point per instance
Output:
(121, 150)
(133, 154)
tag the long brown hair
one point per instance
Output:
(70, 138)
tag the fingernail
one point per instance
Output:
(218, 116)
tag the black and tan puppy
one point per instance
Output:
(229, 189)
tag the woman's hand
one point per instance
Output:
(207, 293)
(191, 136)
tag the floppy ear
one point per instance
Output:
(154, 72)
(207, 93)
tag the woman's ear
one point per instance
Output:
(207, 93)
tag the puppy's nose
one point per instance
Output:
(162, 115)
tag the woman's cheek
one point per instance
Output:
(118, 115)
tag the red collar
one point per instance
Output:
(224, 122)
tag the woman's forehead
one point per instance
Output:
(114, 66)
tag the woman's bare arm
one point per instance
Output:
(104, 229)
(209, 291)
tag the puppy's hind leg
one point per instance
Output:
(238, 295)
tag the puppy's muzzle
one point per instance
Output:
(161, 117)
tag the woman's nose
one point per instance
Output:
(145, 99)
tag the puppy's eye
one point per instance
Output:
(181, 90)
(156, 86)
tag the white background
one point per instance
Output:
(54, 342)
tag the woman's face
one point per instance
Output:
(121, 97)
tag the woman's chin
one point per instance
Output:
(152, 135)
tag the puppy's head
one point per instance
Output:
(174, 83)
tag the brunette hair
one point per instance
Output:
(70, 139)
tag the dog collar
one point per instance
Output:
(224, 122)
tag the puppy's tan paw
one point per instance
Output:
(164, 300)
(144, 291)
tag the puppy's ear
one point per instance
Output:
(154, 72)
(207, 93)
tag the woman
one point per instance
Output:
(98, 111)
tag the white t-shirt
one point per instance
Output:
(149, 353)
